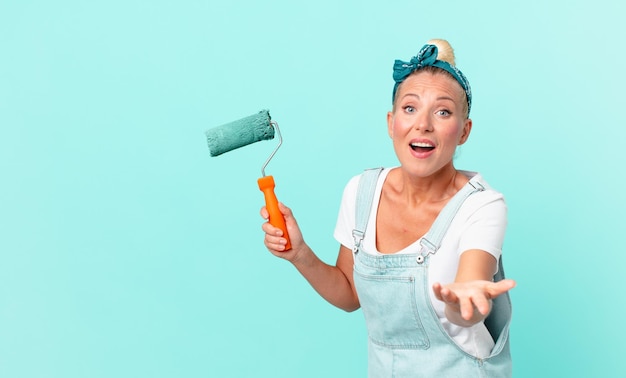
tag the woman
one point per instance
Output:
(419, 243)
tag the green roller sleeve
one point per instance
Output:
(240, 133)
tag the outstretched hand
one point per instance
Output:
(467, 303)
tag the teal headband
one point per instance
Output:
(427, 56)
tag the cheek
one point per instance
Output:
(454, 134)
(398, 126)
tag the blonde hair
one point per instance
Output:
(445, 51)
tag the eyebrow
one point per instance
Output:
(411, 95)
(438, 98)
(445, 98)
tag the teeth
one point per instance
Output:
(421, 144)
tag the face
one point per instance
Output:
(428, 123)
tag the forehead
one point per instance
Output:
(427, 82)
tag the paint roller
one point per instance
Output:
(241, 133)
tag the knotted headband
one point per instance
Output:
(427, 56)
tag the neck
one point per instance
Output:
(438, 187)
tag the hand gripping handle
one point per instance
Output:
(266, 184)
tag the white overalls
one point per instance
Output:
(406, 338)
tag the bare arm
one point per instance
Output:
(468, 299)
(333, 283)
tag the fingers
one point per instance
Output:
(283, 209)
(470, 301)
(449, 296)
(482, 304)
(444, 294)
(437, 291)
(464, 299)
(467, 307)
(273, 238)
(482, 301)
(264, 213)
(498, 288)
(507, 284)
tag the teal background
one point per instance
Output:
(127, 251)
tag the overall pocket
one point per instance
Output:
(390, 309)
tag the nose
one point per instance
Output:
(423, 122)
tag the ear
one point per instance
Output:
(467, 128)
(390, 124)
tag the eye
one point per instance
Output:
(443, 112)
(409, 109)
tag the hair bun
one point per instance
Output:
(445, 51)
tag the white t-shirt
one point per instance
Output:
(479, 224)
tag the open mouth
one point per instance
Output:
(422, 147)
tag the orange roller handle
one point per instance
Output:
(266, 184)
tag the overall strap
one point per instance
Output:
(431, 242)
(364, 199)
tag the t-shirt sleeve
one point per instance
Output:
(485, 224)
(346, 216)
